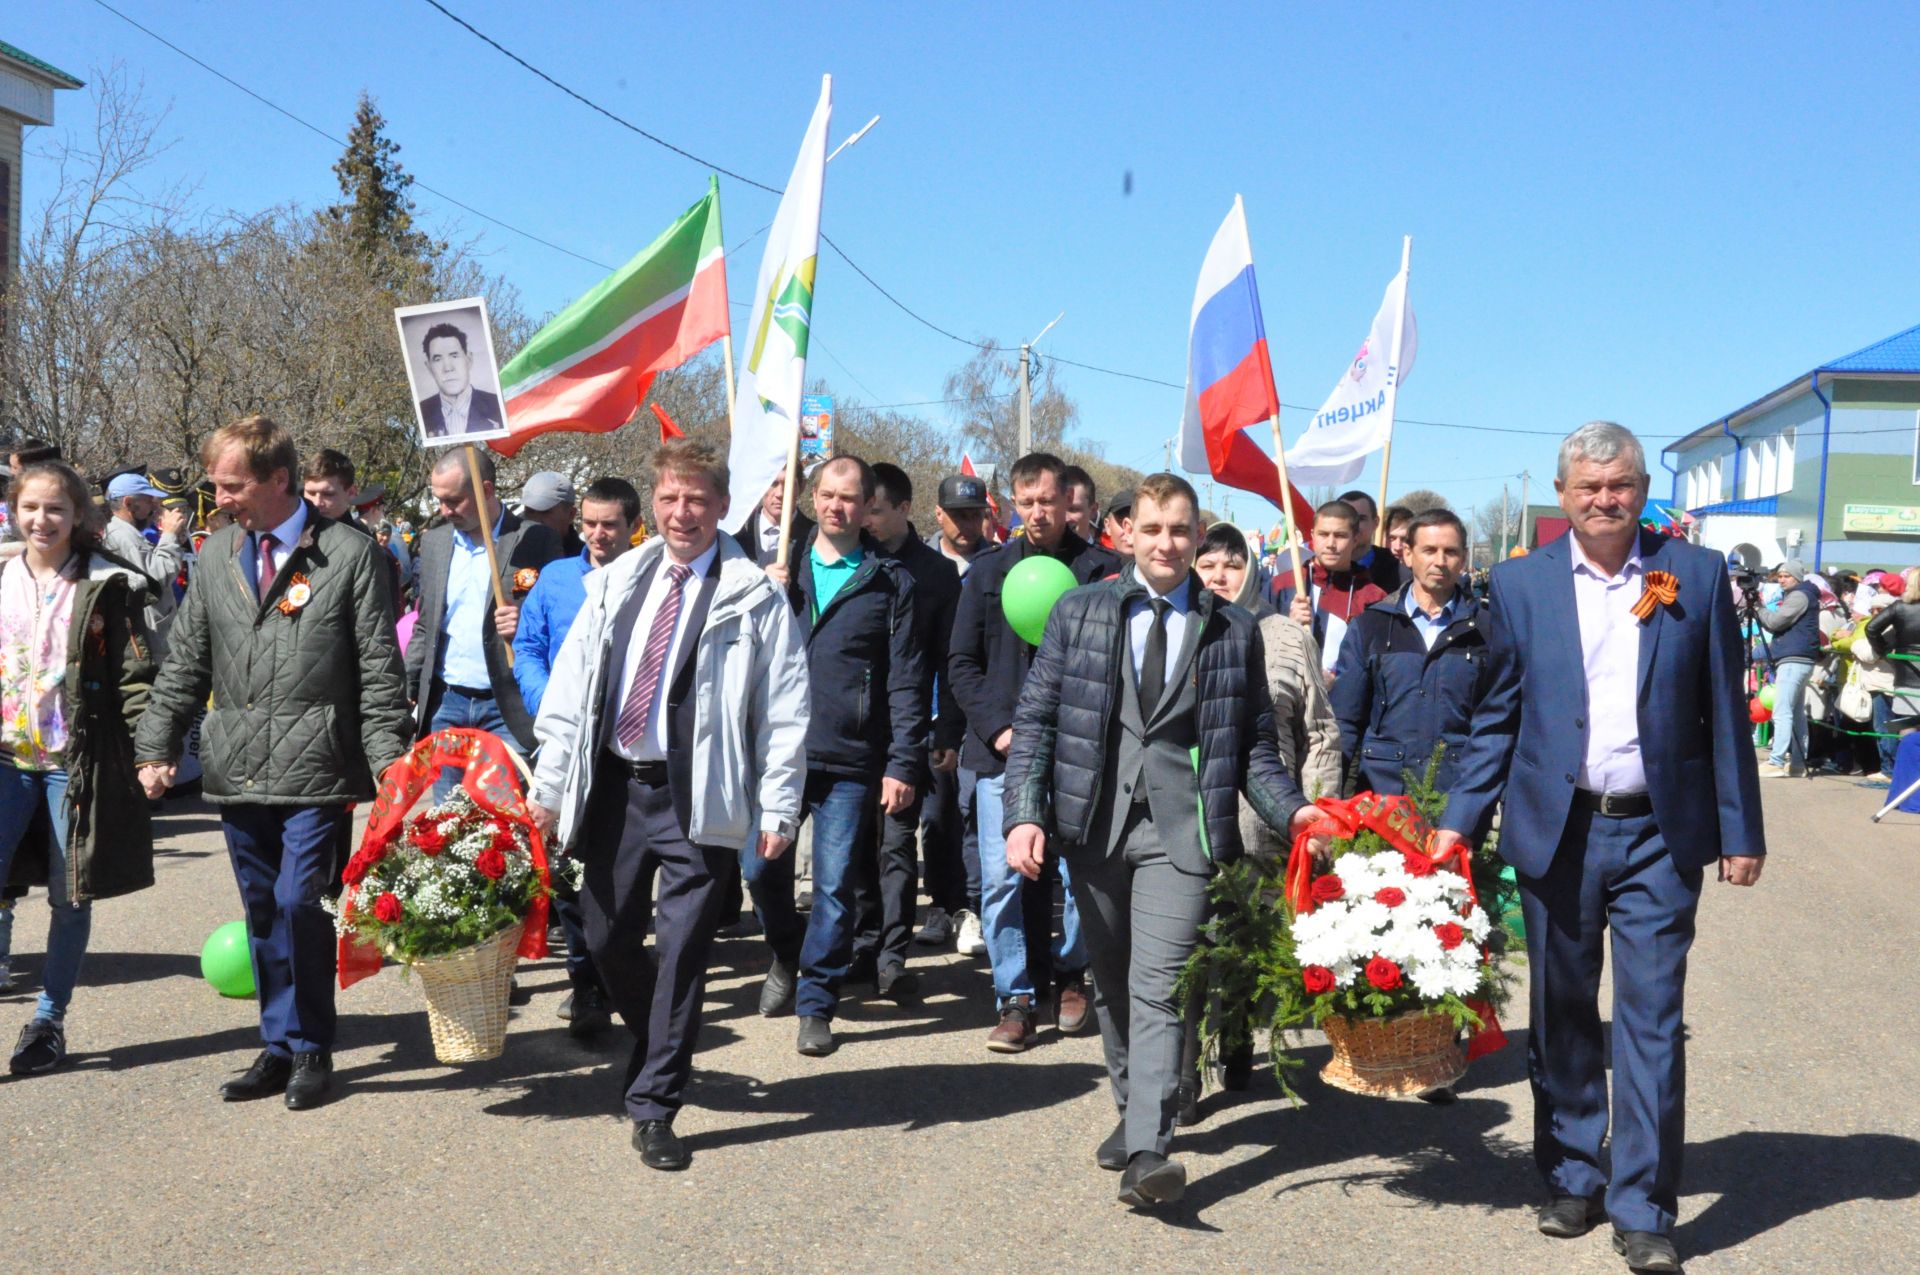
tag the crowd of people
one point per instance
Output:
(689, 699)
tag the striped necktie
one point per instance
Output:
(638, 710)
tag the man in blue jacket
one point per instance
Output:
(1616, 731)
(607, 516)
(1413, 667)
(866, 742)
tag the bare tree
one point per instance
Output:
(987, 389)
(1422, 499)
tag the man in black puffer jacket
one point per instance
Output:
(1144, 718)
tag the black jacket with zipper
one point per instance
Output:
(936, 592)
(867, 683)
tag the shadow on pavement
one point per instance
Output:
(1765, 1180)
(106, 968)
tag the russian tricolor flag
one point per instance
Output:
(1229, 376)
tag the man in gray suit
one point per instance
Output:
(459, 669)
(1145, 716)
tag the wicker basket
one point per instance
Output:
(467, 995)
(1393, 1057)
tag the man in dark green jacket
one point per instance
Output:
(289, 626)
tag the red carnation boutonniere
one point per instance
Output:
(299, 593)
(1662, 589)
(524, 579)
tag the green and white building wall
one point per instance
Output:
(1826, 468)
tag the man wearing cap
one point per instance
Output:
(949, 840)
(547, 498)
(134, 504)
(1118, 534)
(1793, 628)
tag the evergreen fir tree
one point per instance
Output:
(377, 215)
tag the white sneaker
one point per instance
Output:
(1770, 771)
(6, 975)
(972, 940)
(938, 931)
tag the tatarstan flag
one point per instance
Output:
(589, 369)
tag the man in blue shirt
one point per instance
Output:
(608, 513)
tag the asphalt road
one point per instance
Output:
(913, 1148)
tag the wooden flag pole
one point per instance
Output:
(786, 497)
(486, 536)
(1393, 400)
(1286, 502)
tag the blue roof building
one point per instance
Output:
(1825, 468)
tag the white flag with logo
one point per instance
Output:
(1358, 415)
(766, 408)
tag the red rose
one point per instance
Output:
(1449, 934)
(491, 864)
(1318, 979)
(1390, 896)
(428, 840)
(1417, 864)
(1383, 973)
(387, 908)
(503, 841)
(356, 870)
(1328, 888)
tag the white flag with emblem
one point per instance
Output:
(1358, 415)
(766, 407)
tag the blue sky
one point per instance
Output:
(1648, 213)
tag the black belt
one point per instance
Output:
(1613, 805)
(471, 692)
(647, 772)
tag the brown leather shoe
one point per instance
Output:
(1015, 1031)
(1072, 1007)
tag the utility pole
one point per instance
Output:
(1026, 387)
(1503, 522)
(1525, 479)
(1169, 456)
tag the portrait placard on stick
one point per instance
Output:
(455, 378)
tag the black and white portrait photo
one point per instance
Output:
(450, 365)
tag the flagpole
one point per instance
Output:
(1393, 399)
(1286, 495)
(486, 536)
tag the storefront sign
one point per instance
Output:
(1882, 520)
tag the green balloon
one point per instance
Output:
(226, 962)
(1767, 695)
(1029, 593)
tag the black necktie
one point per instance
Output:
(1153, 668)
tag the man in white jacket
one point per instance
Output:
(673, 728)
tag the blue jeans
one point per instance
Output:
(457, 708)
(842, 810)
(1882, 715)
(1790, 714)
(1008, 900)
(72, 923)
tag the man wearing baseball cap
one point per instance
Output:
(133, 504)
(1117, 534)
(547, 498)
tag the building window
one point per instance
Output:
(1784, 462)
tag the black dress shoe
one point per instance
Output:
(1646, 1250)
(776, 994)
(896, 984)
(659, 1146)
(1567, 1217)
(267, 1077)
(1112, 1154)
(590, 1013)
(815, 1039)
(1186, 1109)
(311, 1079)
(1152, 1179)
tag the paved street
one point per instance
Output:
(913, 1148)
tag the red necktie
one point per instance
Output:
(263, 568)
(646, 682)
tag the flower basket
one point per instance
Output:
(1393, 1057)
(467, 993)
(458, 892)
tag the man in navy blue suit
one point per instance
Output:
(1616, 731)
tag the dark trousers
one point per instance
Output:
(581, 971)
(283, 861)
(821, 948)
(633, 839)
(886, 885)
(1141, 916)
(950, 843)
(1610, 874)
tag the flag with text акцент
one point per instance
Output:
(766, 407)
(1229, 375)
(590, 368)
(1358, 415)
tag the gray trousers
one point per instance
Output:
(1142, 918)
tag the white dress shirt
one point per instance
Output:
(652, 745)
(1610, 650)
(1140, 622)
(453, 411)
(769, 536)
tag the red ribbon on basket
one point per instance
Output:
(490, 780)
(1401, 825)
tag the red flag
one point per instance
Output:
(667, 428)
